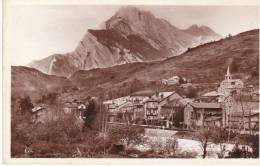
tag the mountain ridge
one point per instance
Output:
(209, 63)
(130, 35)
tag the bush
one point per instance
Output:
(126, 134)
(236, 152)
(171, 145)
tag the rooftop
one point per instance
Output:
(37, 108)
(206, 105)
(246, 113)
(118, 101)
(143, 93)
(176, 103)
(212, 94)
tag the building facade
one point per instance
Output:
(197, 115)
(229, 86)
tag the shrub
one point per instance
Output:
(171, 145)
(127, 134)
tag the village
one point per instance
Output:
(231, 107)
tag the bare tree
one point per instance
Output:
(127, 134)
(204, 136)
(171, 145)
(243, 99)
(220, 136)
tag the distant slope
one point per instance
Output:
(130, 35)
(203, 64)
(29, 81)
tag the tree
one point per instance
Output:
(243, 99)
(204, 136)
(236, 152)
(89, 115)
(127, 134)
(220, 136)
(255, 145)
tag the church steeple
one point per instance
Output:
(228, 75)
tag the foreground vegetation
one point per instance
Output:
(67, 135)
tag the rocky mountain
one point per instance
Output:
(204, 65)
(130, 35)
(200, 31)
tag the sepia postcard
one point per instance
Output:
(133, 82)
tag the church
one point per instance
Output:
(229, 85)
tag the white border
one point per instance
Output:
(7, 85)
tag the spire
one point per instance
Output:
(228, 72)
(228, 75)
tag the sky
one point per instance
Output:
(38, 31)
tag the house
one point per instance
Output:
(127, 111)
(141, 96)
(39, 114)
(164, 98)
(251, 122)
(173, 112)
(122, 113)
(171, 81)
(139, 107)
(198, 115)
(235, 112)
(70, 107)
(151, 110)
(82, 106)
(138, 99)
(153, 106)
(113, 104)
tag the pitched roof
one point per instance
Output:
(206, 105)
(211, 94)
(117, 101)
(143, 93)
(253, 106)
(176, 103)
(246, 113)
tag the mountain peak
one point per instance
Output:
(130, 19)
(130, 35)
(128, 12)
(200, 30)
